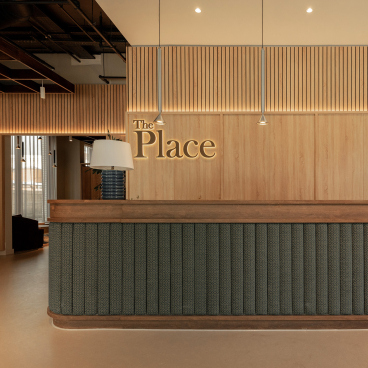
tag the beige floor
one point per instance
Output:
(27, 339)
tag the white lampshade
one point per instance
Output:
(111, 155)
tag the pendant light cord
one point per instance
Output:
(159, 23)
(262, 24)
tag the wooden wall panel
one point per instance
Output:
(228, 78)
(295, 157)
(341, 142)
(272, 162)
(175, 178)
(2, 193)
(92, 109)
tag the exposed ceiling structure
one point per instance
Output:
(238, 22)
(23, 80)
(31, 29)
(88, 139)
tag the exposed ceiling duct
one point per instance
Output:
(14, 15)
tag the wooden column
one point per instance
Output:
(2, 194)
(5, 197)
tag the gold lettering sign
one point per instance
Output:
(172, 148)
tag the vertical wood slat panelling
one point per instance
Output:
(229, 78)
(91, 109)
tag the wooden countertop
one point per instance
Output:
(220, 211)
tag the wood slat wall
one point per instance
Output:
(228, 78)
(92, 109)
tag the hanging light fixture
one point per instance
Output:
(18, 146)
(159, 120)
(54, 165)
(50, 146)
(263, 120)
(70, 138)
(42, 91)
(23, 158)
(40, 138)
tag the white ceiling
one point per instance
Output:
(238, 22)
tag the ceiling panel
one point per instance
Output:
(238, 22)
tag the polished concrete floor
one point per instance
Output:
(27, 338)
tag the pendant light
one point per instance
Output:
(50, 146)
(18, 146)
(40, 138)
(263, 120)
(54, 165)
(23, 157)
(159, 120)
(42, 91)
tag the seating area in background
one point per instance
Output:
(26, 234)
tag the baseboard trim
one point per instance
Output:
(6, 252)
(211, 322)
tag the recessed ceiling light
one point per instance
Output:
(198, 10)
(309, 10)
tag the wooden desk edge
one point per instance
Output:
(210, 211)
(211, 322)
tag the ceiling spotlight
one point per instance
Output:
(40, 138)
(70, 138)
(309, 10)
(198, 10)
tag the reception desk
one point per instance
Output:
(209, 264)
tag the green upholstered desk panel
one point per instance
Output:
(208, 269)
